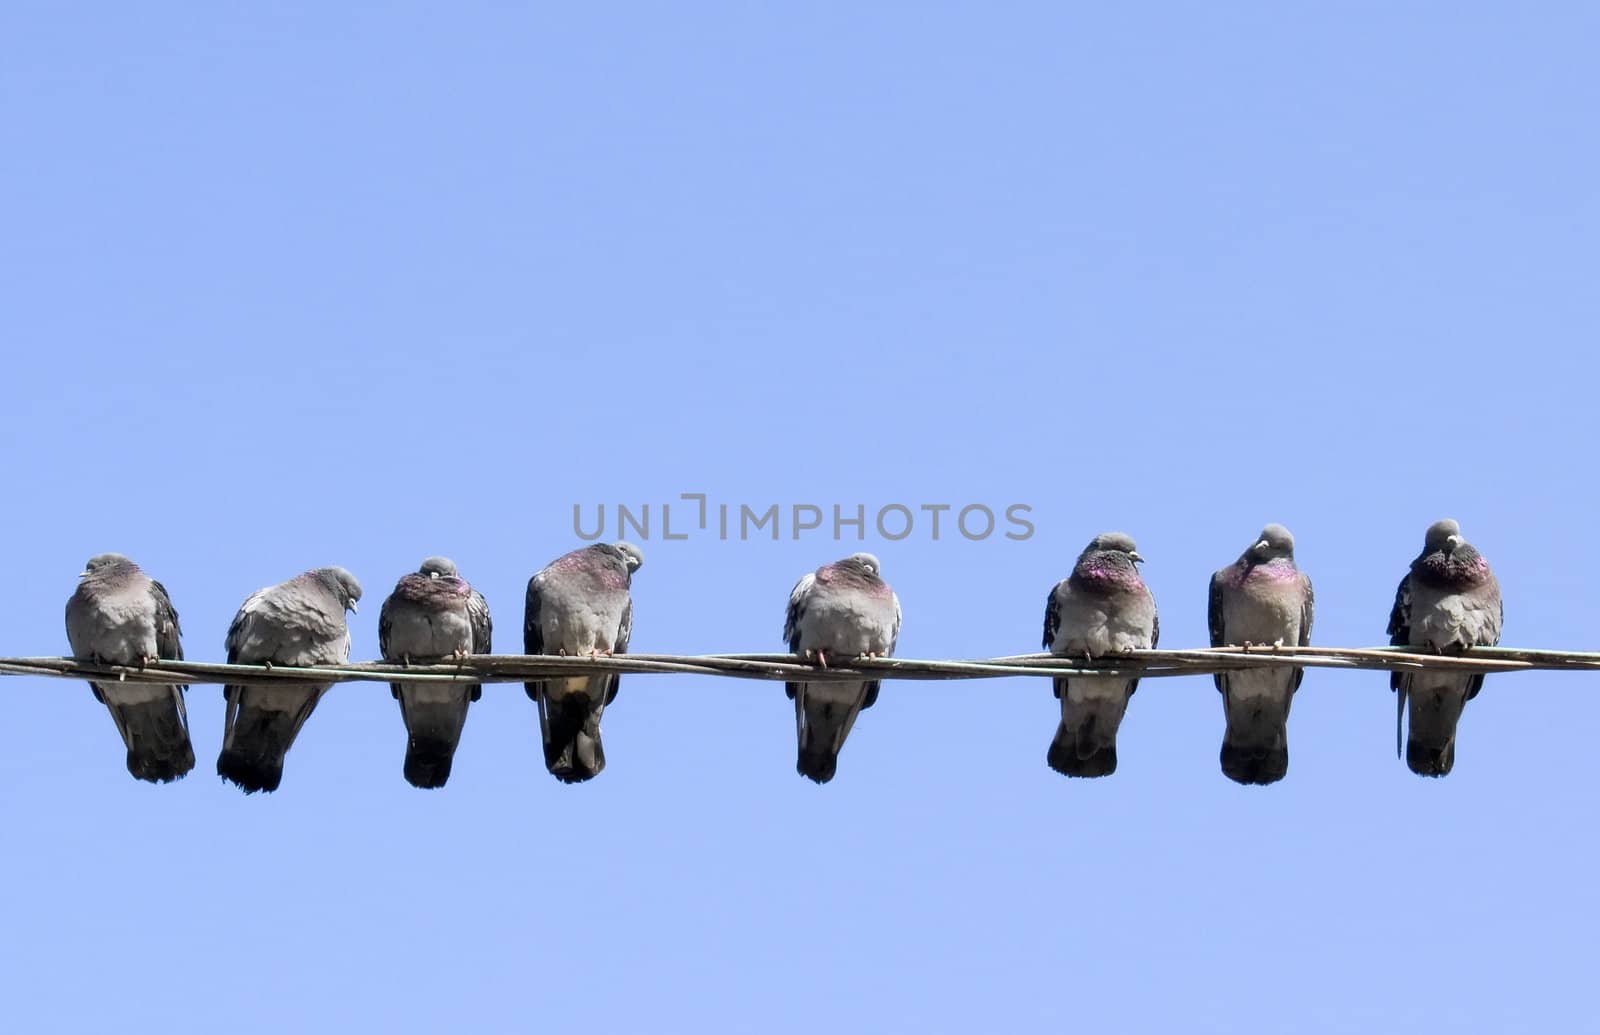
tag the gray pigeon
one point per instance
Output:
(1448, 602)
(120, 616)
(1261, 598)
(846, 610)
(1102, 608)
(579, 605)
(299, 622)
(433, 615)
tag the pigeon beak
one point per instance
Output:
(353, 608)
(1453, 543)
(1134, 556)
(1262, 547)
(83, 574)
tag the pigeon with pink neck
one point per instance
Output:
(433, 615)
(1448, 602)
(579, 605)
(838, 613)
(1260, 599)
(1102, 608)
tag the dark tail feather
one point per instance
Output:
(252, 768)
(1430, 759)
(1066, 758)
(1431, 737)
(572, 749)
(817, 763)
(156, 735)
(257, 739)
(433, 731)
(1255, 765)
(824, 717)
(1399, 711)
(428, 763)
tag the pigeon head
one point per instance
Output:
(433, 568)
(1110, 559)
(632, 556)
(1449, 560)
(101, 562)
(865, 562)
(1113, 543)
(1274, 542)
(342, 583)
(1443, 535)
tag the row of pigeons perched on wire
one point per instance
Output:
(1448, 601)
(580, 604)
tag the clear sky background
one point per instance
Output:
(300, 284)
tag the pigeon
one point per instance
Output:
(299, 622)
(432, 615)
(579, 605)
(1261, 598)
(1448, 602)
(1102, 608)
(118, 615)
(845, 610)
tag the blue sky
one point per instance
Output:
(286, 286)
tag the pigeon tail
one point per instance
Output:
(1255, 764)
(1255, 743)
(1092, 709)
(572, 749)
(1431, 736)
(434, 721)
(1430, 759)
(1068, 757)
(256, 741)
(428, 762)
(827, 714)
(817, 764)
(251, 771)
(156, 735)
